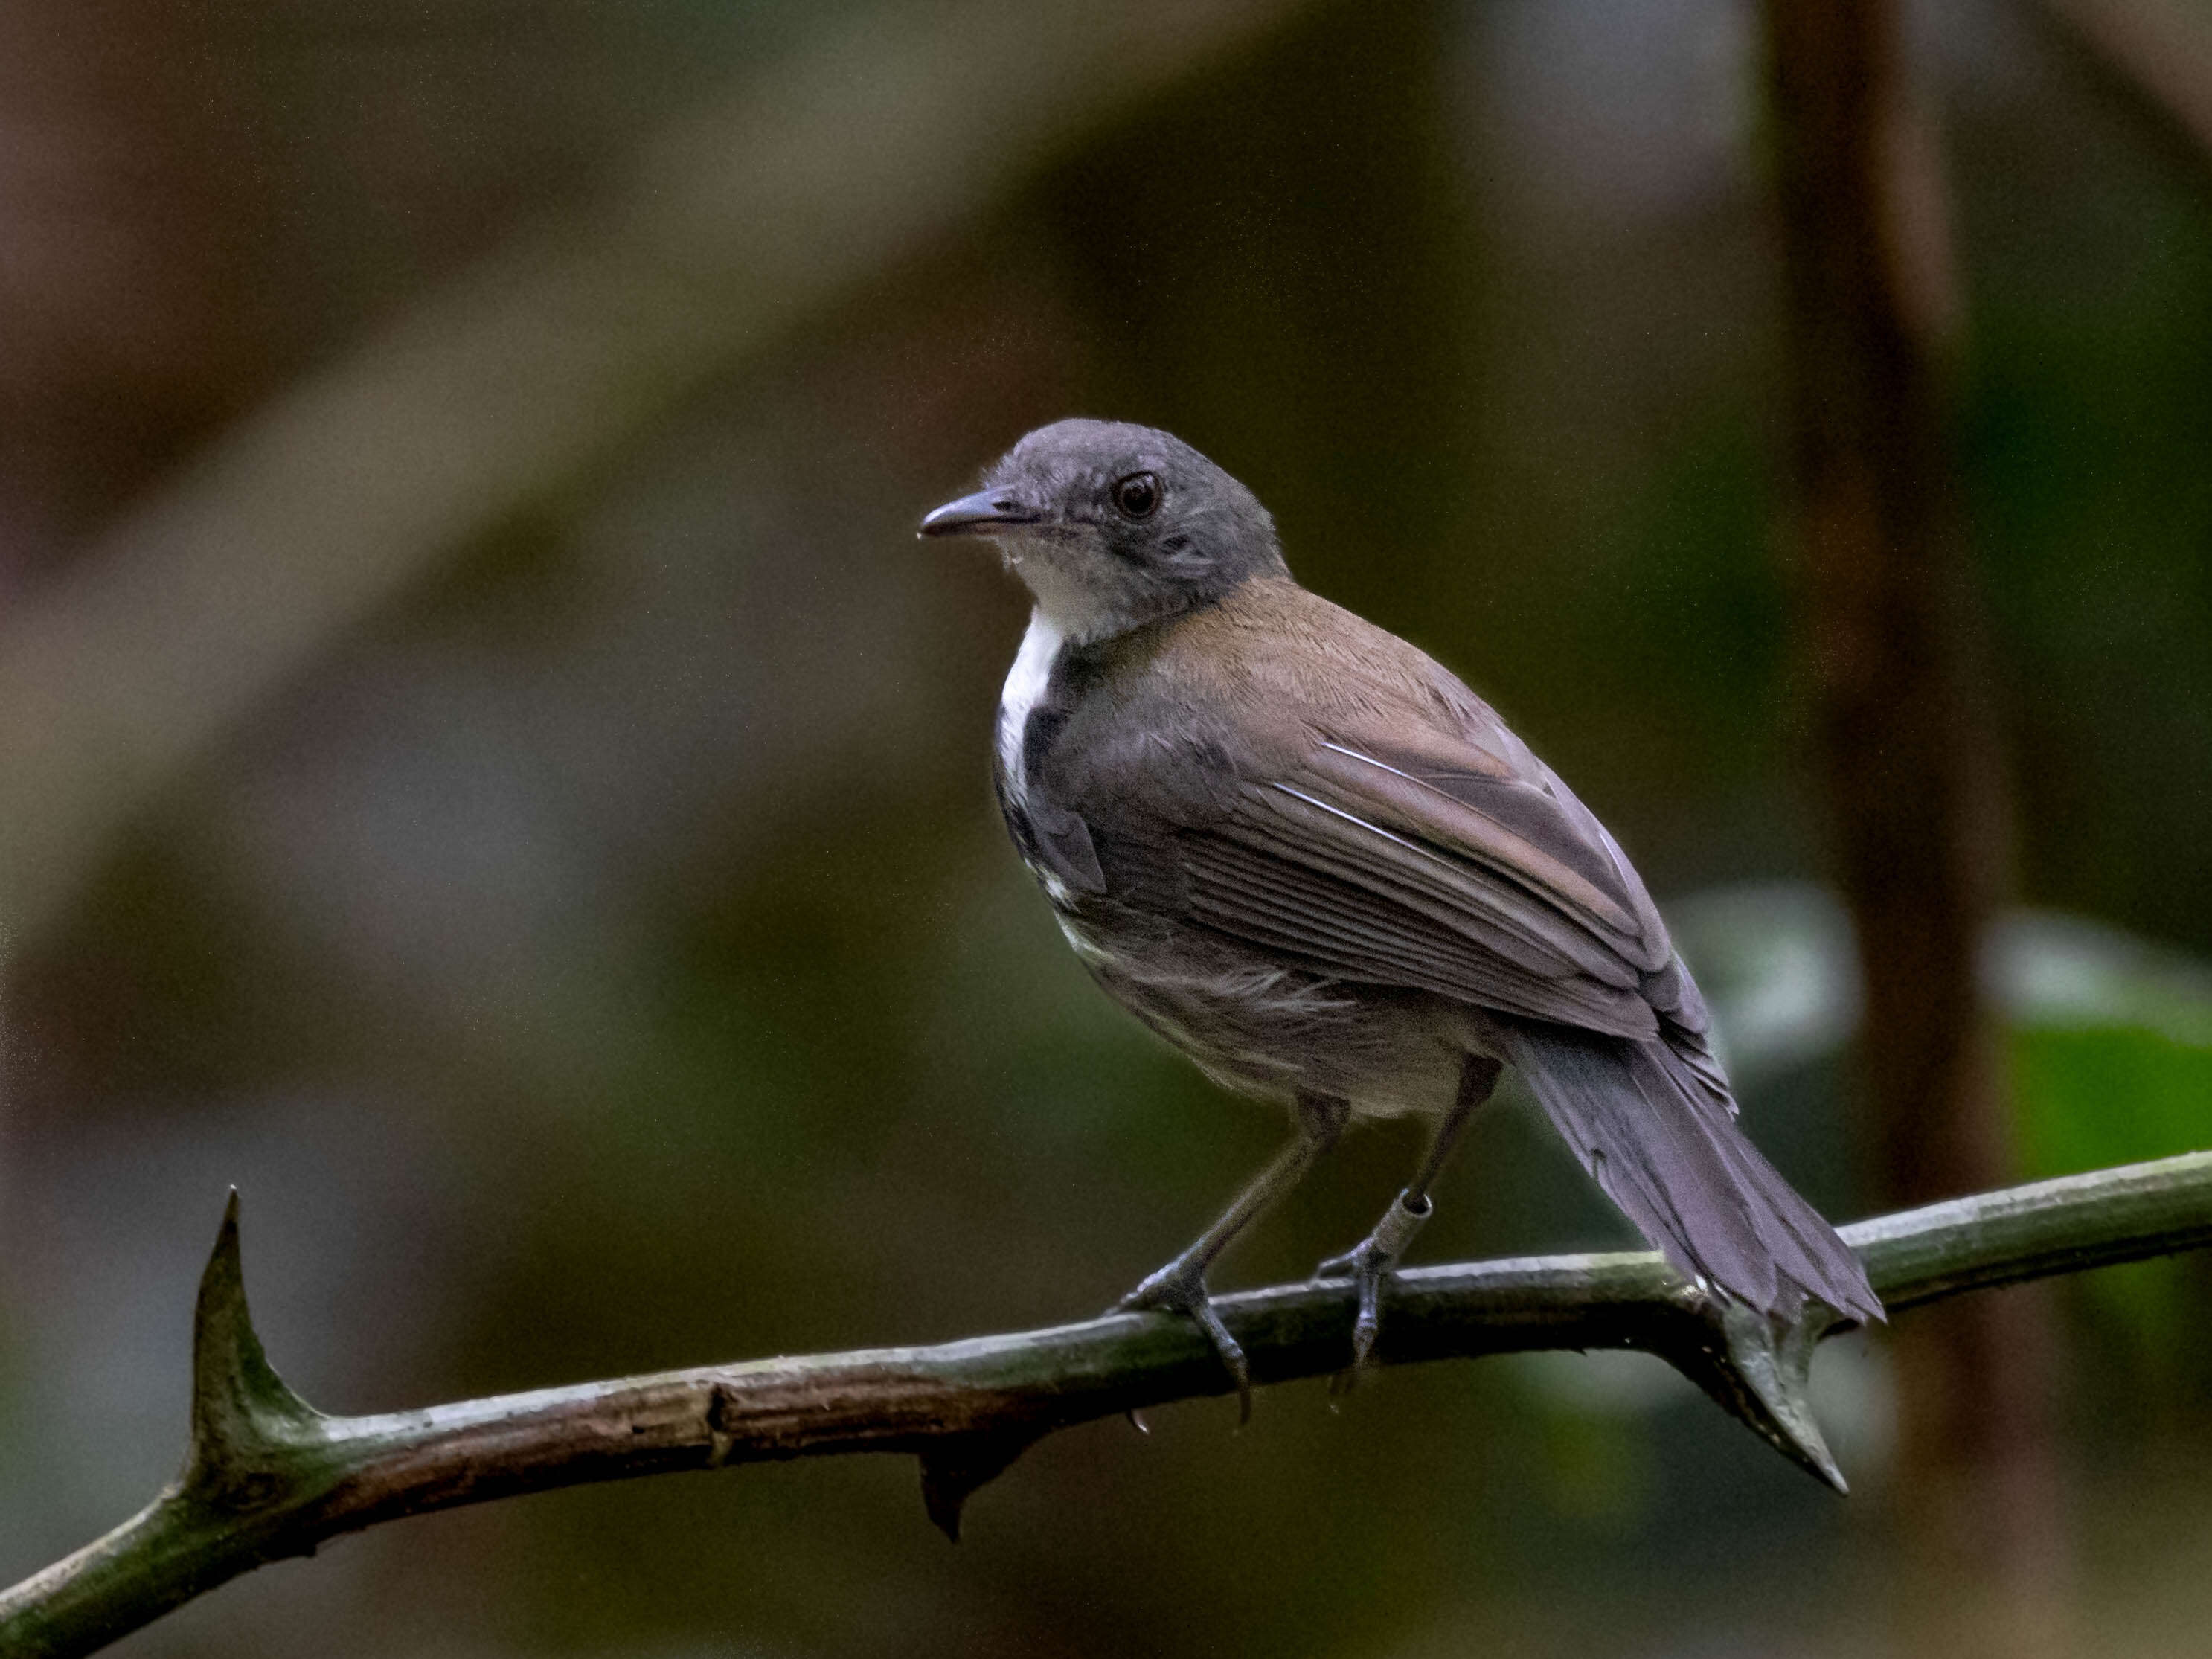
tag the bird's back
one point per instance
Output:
(1275, 681)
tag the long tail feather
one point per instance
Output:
(1661, 1140)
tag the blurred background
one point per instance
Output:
(486, 769)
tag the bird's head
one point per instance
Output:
(1112, 527)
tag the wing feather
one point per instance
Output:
(1360, 932)
(1443, 870)
(1510, 827)
(1302, 823)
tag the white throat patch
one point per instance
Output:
(1025, 683)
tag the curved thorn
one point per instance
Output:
(1757, 1369)
(240, 1407)
(959, 1466)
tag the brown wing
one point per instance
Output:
(1445, 868)
(1323, 789)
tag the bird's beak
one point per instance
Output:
(980, 515)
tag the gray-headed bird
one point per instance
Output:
(1311, 859)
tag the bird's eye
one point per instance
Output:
(1138, 495)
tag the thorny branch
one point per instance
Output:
(268, 1476)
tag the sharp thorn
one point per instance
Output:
(240, 1405)
(1759, 1368)
(957, 1467)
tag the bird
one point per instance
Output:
(1310, 857)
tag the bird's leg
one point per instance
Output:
(1367, 1262)
(1180, 1286)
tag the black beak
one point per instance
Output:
(978, 514)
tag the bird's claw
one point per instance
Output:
(1177, 1288)
(1367, 1264)
(1365, 1267)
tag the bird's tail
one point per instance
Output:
(1664, 1143)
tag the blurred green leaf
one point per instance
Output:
(2092, 1097)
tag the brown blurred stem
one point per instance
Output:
(2157, 53)
(1903, 743)
(267, 1476)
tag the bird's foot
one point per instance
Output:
(1366, 1264)
(1180, 1287)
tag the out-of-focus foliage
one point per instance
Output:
(607, 956)
(2113, 1050)
(2100, 1096)
(2092, 1007)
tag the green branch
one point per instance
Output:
(269, 1476)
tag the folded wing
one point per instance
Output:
(1447, 864)
(1461, 864)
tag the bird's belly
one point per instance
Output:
(1259, 1028)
